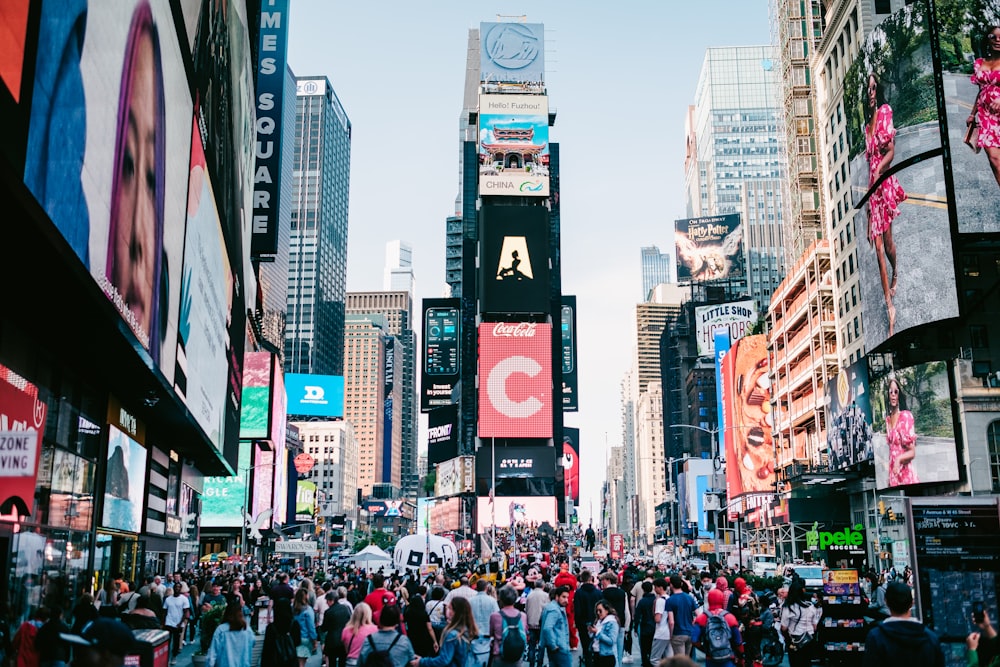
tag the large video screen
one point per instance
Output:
(571, 462)
(315, 395)
(255, 405)
(503, 511)
(514, 259)
(442, 434)
(898, 181)
(107, 155)
(747, 404)
(849, 431)
(224, 497)
(969, 44)
(568, 347)
(709, 248)
(914, 441)
(514, 145)
(515, 380)
(442, 353)
(125, 483)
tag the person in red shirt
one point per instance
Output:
(716, 599)
(379, 597)
(568, 579)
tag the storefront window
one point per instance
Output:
(48, 567)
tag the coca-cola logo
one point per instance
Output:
(514, 329)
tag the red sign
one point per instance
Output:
(515, 380)
(22, 422)
(304, 463)
(617, 546)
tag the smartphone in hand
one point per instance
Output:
(978, 614)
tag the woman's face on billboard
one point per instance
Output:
(135, 245)
(893, 394)
(872, 91)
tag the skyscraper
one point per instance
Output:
(397, 276)
(314, 336)
(735, 160)
(655, 269)
(364, 390)
(397, 309)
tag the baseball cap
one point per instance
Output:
(105, 633)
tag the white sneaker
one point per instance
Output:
(627, 659)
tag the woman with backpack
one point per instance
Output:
(458, 635)
(509, 630)
(799, 619)
(604, 635)
(356, 631)
(281, 639)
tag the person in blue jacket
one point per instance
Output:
(457, 636)
(604, 634)
(555, 629)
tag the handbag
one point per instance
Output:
(972, 137)
(800, 642)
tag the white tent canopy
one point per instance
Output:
(371, 557)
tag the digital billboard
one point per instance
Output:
(271, 53)
(737, 318)
(454, 476)
(514, 260)
(305, 500)
(722, 345)
(124, 482)
(516, 462)
(315, 395)
(22, 424)
(442, 434)
(514, 145)
(898, 179)
(747, 404)
(571, 463)
(914, 441)
(512, 52)
(262, 494)
(568, 356)
(19, 25)
(515, 380)
(384, 508)
(279, 404)
(709, 248)
(224, 497)
(503, 511)
(255, 405)
(103, 110)
(849, 419)
(442, 346)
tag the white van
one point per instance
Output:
(763, 565)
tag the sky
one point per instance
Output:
(620, 77)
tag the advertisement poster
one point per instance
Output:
(92, 100)
(224, 497)
(617, 547)
(442, 434)
(514, 145)
(737, 318)
(722, 345)
(841, 582)
(747, 404)
(709, 248)
(315, 395)
(279, 404)
(515, 380)
(512, 52)
(967, 32)
(898, 181)
(514, 258)
(441, 353)
(261, 507)
(914, 441)
(570, 386)
(125, 483)
(455, 476)
(849, 431)
(571, 463)
(305, 500)
(505, 511)
(256, 395)
(22, 424)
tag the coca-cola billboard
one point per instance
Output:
(515, 380)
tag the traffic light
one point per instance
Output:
(881, 508)
(891, 514)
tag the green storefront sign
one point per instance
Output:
(850, 540)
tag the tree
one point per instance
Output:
(363, 538)
(429, 481)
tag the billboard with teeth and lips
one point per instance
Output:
(748, 418)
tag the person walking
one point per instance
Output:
(506, 621)
(799, 619)
(418, 624)
(533, 606)
(483, 606)
(618, 599)
(604, 635)
(389, 639)
(232, 643)
(282, 637)
(335, 619)
(52, 650)
(457, 637)
(306, 618)
(901, 639)
(661, 635)
(555, 629)
(584, 604)
(356, 631)
(725, 646)
(177, 610)
(644, 622)
(680, 608)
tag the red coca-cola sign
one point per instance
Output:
(514, 329)
(515, 380)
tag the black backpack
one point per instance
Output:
(512, 642)
(379, 658)
(284, 650)
(718, 644)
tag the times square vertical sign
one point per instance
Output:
(272, 57)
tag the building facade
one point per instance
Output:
(655, 269)
(332, 445)
(317, 281)
(364, 393)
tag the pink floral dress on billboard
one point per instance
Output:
(987, 105)
(883, 204)
(902, 438)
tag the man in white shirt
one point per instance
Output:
(661, 636)
(177, 608)
(463, 591)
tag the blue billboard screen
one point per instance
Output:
(315, 395)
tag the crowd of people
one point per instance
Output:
(532, 611)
